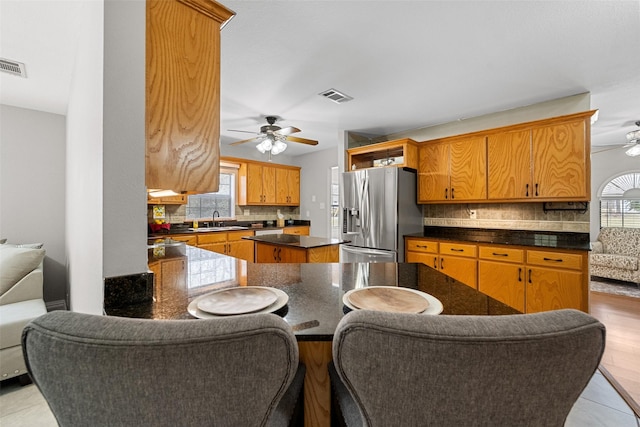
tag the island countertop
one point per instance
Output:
(295, 241)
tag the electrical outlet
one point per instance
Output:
(472, 214)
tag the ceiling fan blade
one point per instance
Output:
(245, 131)
(256, 139)
(302, 140)
(288, 130)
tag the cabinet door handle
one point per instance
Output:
(452, 195)
(536, 189)
(457, 250)
(435, 262)
(498, 254)
(279, 258)
(527, 190)
(446, 193)
(552, 259)
(274, 254)
(422, 246)
(519, 274)
(441, 263)
(530, 276)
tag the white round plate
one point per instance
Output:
(282, 300)
(238, 300)
(435, 306)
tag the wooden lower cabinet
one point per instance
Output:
(229, 243)
(265, 252)
(189, 239)
(300, 230)
(526, 279)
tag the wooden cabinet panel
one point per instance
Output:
(500, 253)
(183, 95)
(463, 269)
(553, 289)
(427, 259)
(509, 165)
(555, 259)
(458, 249)
(288, 186)
(302, 230)
(241, 249)
(180, 199)
(453, 171)
(433, 172)
(262, 184)
(189, 239)
(218, 237)
(427, 246)
(229, 243)
(502, 281)
(220, 248)
(468, 174)
(559, 161)
(277, 254)
(369, 156)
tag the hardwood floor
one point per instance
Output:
(621, 360)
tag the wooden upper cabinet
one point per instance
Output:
(433, 172)
(261, 184)
(453, 171)
(509, 165)
(268, 184)
(560, 161)
(545, 162)
(397, 153)
(183, 94)
(468, 159)
(288, 186)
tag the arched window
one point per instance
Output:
(620, 202)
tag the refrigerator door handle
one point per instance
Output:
(366, 251)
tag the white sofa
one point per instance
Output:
(21, 300)
(616, 254)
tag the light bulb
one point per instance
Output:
(278, 147)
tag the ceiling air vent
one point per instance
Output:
(13, 67)
(335, 96)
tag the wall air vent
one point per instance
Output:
(336, 96)
(13, 67)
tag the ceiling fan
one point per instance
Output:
(272, 138)
(633, 146)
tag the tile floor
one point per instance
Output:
(599, 406)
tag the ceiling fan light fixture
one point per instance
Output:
(265, 145)
(633, 136)
(278, 147)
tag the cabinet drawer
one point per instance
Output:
(501, 254)
(428, 259)
(427, 246)
(458, 249)
(555, 259)
(214, 237)
(238, 235)
(188, 239)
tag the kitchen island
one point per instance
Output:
(287, 248)
(315, 304)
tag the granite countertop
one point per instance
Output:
(315, 290)
(540, 239)
(185, 228)
(295, 241)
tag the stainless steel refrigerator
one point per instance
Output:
(378, 208)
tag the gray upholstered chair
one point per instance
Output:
(414, 370)
(109, 371)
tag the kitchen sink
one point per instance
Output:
(227, 228)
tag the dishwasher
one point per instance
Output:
(271, 231)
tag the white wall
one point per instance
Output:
(124, 194)
(605, 166)
(84, 220)
(32, 188)
(315, 181)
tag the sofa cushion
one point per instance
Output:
(15, 317)
(618, 240)
(15, 263)
(623, 262)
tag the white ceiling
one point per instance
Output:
(408, 64)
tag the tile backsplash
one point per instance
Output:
(514, 216)
(176, 214)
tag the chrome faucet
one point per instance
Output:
(216, 224)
